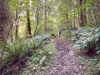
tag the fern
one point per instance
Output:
(15, 50)
(88, 39)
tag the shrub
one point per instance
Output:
(14, 51)
(41, 60)
(90, 65)
(87, 39)
(53, 34)
(90, 46)
(1, 44)
(38, 41)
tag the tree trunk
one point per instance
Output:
(97, 12)
(83, 19)
(90, 18)
(4, 19)
(28, 23)
(37, 18)
(5, 22)
(17, 26)
(1, 32)
(45, 17)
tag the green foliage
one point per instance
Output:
(35, 43)
(81, 8)
(87, 25)
(40, 61)
(1, 44)
(14, 4)
(66, 34)
(53, 34)
(15, 51)
(84, 6)
(91, 66)
(87, 39)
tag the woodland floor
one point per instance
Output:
(65, 62)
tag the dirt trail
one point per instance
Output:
(65, 62)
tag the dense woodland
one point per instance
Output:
(35, 17)
(28, 27)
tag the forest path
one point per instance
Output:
(65, 62)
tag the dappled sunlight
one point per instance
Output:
(59, 37)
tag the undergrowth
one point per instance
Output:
(40, 61)
(90, 65)
(16, 53)
(86, 42)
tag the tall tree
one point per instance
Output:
(45, 16)
(5, 23)
(97, 12)
(83, 19)
(37, 19)
(17, 10)
(29, 34)
(4, 19)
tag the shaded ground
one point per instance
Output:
(65, 62)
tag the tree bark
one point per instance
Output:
(5, 25)
(97, 12)
(37, 18)
(17, 26)
(45, 17)
(4, 19)
(28, 23)
(83, 19)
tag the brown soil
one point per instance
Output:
(65, 62)
(14, 68)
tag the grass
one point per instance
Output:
(40, 61)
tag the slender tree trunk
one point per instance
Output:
(45, 17)
(28, 23)
(96, 12)
(1, 32)
(11, 32)
(74, 9)
(37, 18)
(74, 20)
(83, 19)
(95, 15)
(90, 18)
(67, 21)
(71, 22)
(17, 26)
